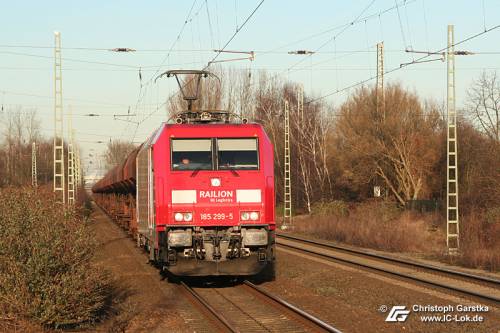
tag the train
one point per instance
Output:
(198, 196)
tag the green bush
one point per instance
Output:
(46, 273)
(328, 208)
(492, 215)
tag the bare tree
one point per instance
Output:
(401, 148)
(20, 129)
(116, 152)
(479, 161)
(269, 112)
(483, 104)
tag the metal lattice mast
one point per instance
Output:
(71, 162)
(34, 176)
(300, 103)
(80, 169)
(59, 180)
(380, 79)
(287, 193)
(77, 166)
(452, 226)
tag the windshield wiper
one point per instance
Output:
(195, 172)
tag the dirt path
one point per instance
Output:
(145, 302)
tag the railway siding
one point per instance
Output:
(483, 288)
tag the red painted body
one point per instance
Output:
(167, 180)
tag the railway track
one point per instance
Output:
(479, 287)
(249, 308)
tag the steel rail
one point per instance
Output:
(373, 267)
(387, 258)
(214, 312)
(293, 308)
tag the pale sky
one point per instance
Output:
(98, 81)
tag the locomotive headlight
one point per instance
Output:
(188, 217)
(254, 216)
(254, 237)
(178, 217)
(245, 216)
(180, 237)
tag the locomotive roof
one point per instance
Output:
(198, 125)
(158, 132)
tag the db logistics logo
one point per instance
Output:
(398, 313)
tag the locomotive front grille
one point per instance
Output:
(218, 243)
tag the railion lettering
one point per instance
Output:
(216, 194)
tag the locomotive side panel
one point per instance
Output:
(142, 190)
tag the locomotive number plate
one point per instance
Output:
(216, 216)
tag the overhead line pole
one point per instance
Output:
(59, 179)
(452, 225)
(380, 79)
(34, 180)
(71, 161)
(416, 61)
(287, 190)
(77, 166)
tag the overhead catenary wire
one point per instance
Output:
(69, 59)
(176, 40)
(410, 46)
(356, 20)
(217, 21)
(235, 33)
(8, 92)
(337, 27)
(401, 26)
(198, 50)
(484, 16)
(167, 56)
(141, 69)
(402, 66)
(208, 64)
(343, 27)
(425, 25)
(209, 24)
(27, 46)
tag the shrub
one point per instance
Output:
(492, 215)
(335, 208)
(46, 273)
(479, 245)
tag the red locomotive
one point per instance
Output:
(198, 195)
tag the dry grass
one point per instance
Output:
(375, 225)
(47, 277)
(383, 226)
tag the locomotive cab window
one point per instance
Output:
(240, 154)
(191, 154)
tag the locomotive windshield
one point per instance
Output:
(192, 154)
(232, 154)
(238, 154)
